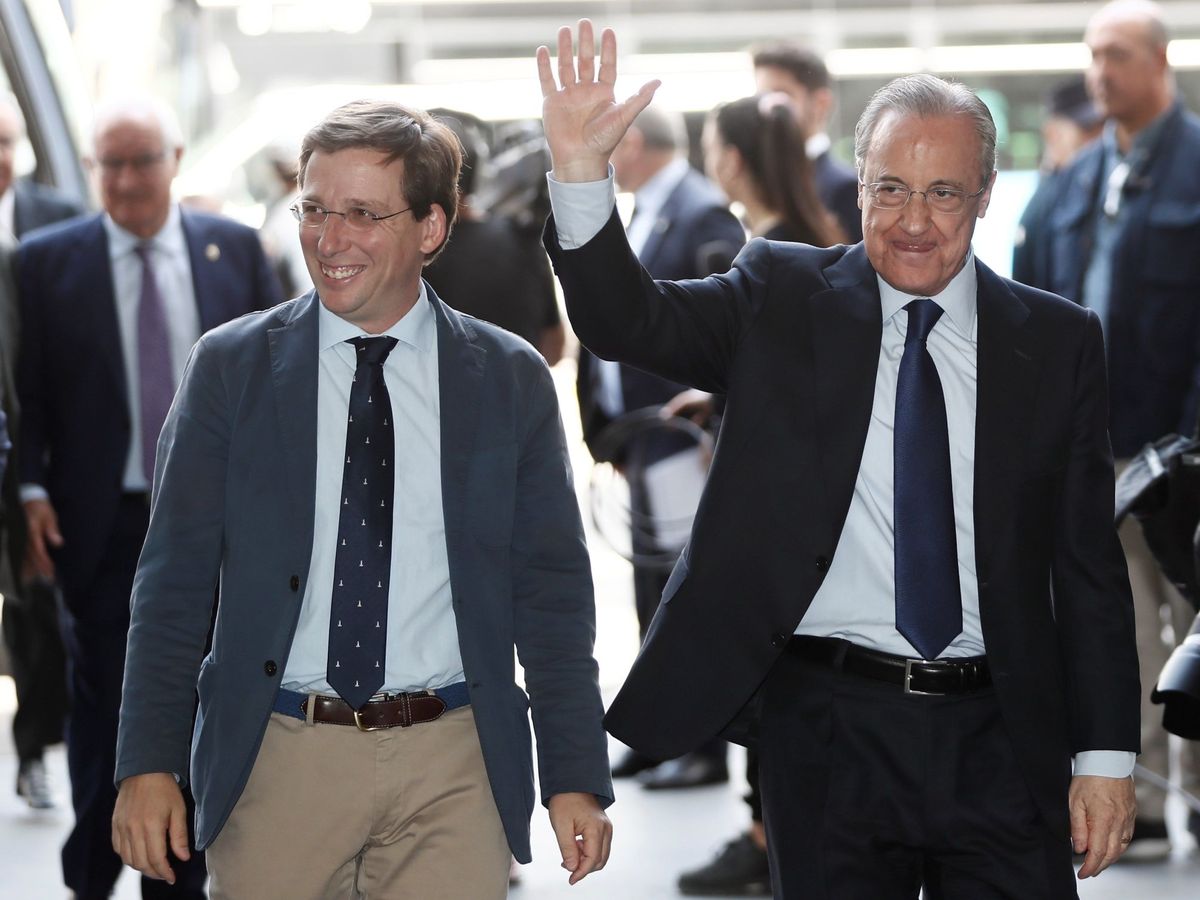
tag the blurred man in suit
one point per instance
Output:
(30, 620)
(800, 73)
(111, 305)
(1122, 241)
(681, 228)
(360, 732)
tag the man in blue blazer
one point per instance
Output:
(110, 306)
(379, 489)
(903, 570)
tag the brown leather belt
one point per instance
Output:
(936, 677)
(396, 710)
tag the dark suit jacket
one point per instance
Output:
(695, 235)
(36, 205)
(75, 429)
(234, 498)
(837, 186)
(1153, 328)
(792, 336)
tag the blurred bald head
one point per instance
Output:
(1129, 77)
(655, 138)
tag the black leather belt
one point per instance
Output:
(937, 677)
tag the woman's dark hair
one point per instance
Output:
(764, 131)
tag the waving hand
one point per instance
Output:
(582, 120)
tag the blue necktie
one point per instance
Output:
(156, 379)
(928, 601)
(363, 561)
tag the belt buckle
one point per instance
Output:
(361, 726)
(908, 688)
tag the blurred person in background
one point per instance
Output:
(754, 152)
(903, 581)
(801, 74)
(30, 616)
(1071, 122)
(279, 225)
(111, 305)
(680, 228)
(1122, 241)
(491, 268)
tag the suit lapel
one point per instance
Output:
(208, 267)
(294, 349)
(1005, 398)
(461, 363)
(847, 327)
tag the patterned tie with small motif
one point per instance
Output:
(363, 561)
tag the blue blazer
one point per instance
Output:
(75, 427)
(791, 336)
(1153, 328)
(234, 502)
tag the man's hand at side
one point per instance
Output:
(42, 523)
(1102, 813)
(149, 813)
(584, 833)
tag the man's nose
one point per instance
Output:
(332, 234)
(914, 217)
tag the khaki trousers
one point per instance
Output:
(333, 813)
(1161, 618)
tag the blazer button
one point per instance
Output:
(295, 583)
(822, 563)
(779, 639)
(269, 667)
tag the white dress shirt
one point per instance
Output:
(422, 633)
(856, 601)
(8, 213)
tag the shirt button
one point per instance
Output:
(269, 667)
(779, 639)
(822, 563)
(295, 583)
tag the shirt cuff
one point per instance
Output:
(1107, 763)
(33, 492)
(581, 208)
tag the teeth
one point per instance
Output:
(340, 272)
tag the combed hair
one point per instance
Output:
(662, 129)
(926, 96)
(765, 133)
(802, 63)
(429, 150)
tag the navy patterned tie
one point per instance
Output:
(363, 561)
(928, 601)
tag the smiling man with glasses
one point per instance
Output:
(380, 487)
(903, 584)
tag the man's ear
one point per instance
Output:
(433, 229)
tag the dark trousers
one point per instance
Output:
(95, 627)
(38, 668)
(871, 794)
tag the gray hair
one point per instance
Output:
(662, 129)
(926, 96)
(143, 108)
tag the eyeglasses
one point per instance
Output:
(314, 215)
(891, 195)
(112, 165)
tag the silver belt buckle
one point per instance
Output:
(908, 688)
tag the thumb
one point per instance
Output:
(177, 831)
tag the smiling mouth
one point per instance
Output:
(341, 273)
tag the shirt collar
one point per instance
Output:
(651, 196)
(1144, 143)
(169, 238)
(8, 212)
(416, 327)
(958, 299)
(816, 145)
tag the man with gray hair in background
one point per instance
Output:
(110, 307)
(903, 583)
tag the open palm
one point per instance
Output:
(582, 119)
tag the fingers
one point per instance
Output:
(566, 59)
(545, 74)
(567, 845)
(608, 56)
(592, 848)
(639, 101)
(587, 52)
(1101, 814)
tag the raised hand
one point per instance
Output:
(582, 120)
